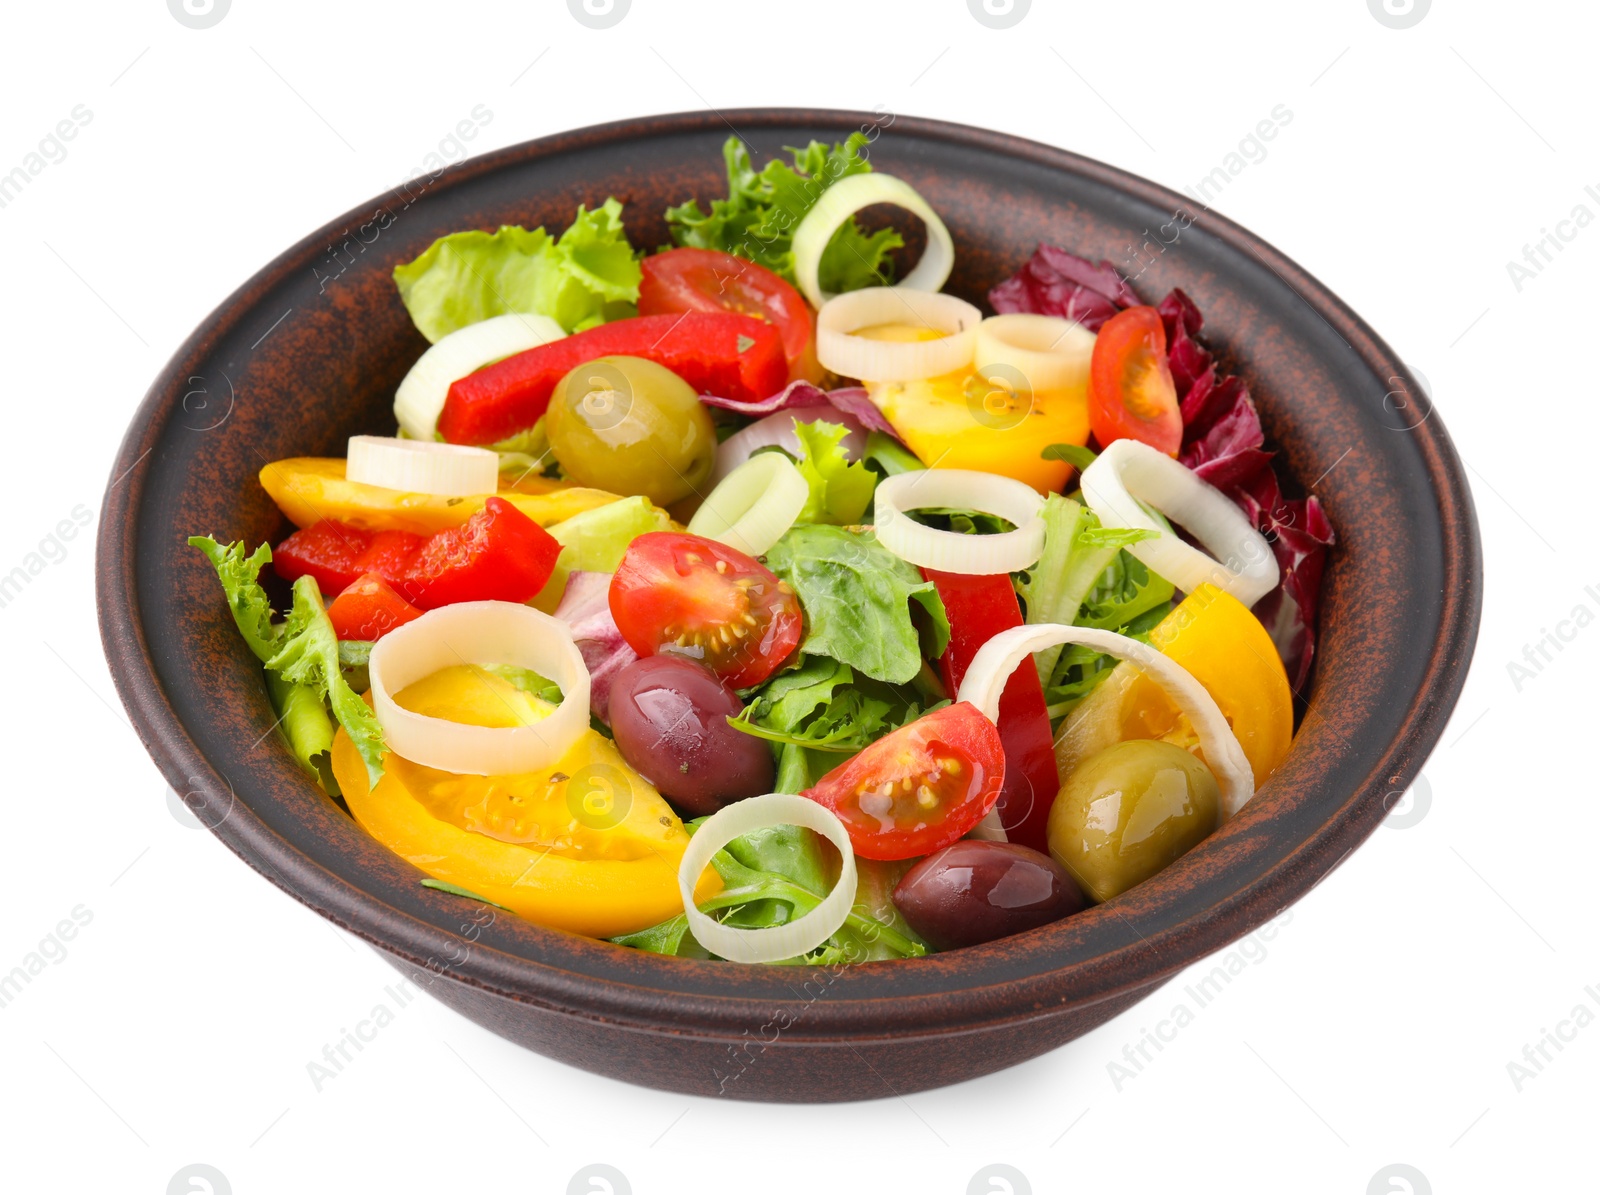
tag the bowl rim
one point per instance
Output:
(654, 1003)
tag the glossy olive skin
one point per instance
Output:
(631, 426)
(1129, 811)
(670, 718)
(973, 891)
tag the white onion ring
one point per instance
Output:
(778, 431)
(1128, 472)
(421, 393)
(422, 466)
(754, 505)
(852, 356)
(844, 199)
(774, 942)
(1050, 353)
(959, 489)
(480, 633)
(999, 657)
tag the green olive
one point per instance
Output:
(1128, 811)
(631, 426)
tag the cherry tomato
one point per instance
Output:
(675, 592)
(1131, 395)
(919, 788)
(369, 609)
(705, 280)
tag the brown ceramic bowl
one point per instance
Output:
(309, 352)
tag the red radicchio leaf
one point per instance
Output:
(851, 400)
(586, 609)
(1055, 282)
(1222, 443)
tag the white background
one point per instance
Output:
(1374, 1028)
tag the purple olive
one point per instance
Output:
(974, 891)
(669, 715)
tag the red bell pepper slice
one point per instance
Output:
(979, 607)
(723, 353)
(369, 609)
(499, 554)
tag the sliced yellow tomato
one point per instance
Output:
(963, 421)
(587, 846)
(309, 489)
(1226, 649)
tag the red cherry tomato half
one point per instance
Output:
(369, 609)
(705, 280)
(920, 788)
(675, 592)
(1131, 395)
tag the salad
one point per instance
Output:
(735, 600)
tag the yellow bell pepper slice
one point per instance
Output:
(1225, 648)
(599, 861)
(309, 489)
(962, 421)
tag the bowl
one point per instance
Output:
(309, 351)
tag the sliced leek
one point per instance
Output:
(776, 942)
(959, 489)
(484, 633)
(754, 505)
(1129, 475)
(843, 200)
(422, 466)
(1034, 352)
(950, 326)
(998, 658)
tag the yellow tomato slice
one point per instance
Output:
(309, 489)
(1229, 652)
(587, 846)
(961, 421)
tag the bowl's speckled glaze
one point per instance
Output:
(309, 351)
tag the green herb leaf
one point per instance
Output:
(247, 601)
(458, 890)
(742, 343)
(1079, 456)
(1113, 537)
(857, 598)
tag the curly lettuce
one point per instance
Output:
(763, 208)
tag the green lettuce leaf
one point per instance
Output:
(857, 597)
(763, 208)
(589, 275)
(840, 490)
(303, 658)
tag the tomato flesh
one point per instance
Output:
(499, 554)
(706, 280)
(675, 592)
(920, 788)
(1131, 392)
(368, 609)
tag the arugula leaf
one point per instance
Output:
(857, 599)
(771, 877)
(1079, 669)
(884, 451)
(840, 490)
(962, 522)
(824, 706)
(763, 208)
(587, 276)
